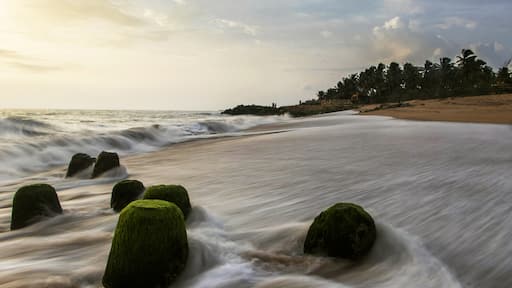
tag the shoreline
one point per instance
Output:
(490, 109)
(263, 191)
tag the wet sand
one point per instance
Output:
(495, 109)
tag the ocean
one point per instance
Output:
(440, 193)
(36, 140)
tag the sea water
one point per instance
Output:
(440, 193)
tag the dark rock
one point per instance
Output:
(79, 162)
(33, 202)
(176, 194)
(253, 110)
(106, 161)
(344, 230)
(149, 248)
(124, 193)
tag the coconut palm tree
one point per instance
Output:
(447, 77)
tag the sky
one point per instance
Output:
(214, 54)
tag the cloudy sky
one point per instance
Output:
(211, 54)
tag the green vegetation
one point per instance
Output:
(176, 194)
(78, 163)
(33, 202)
(311, 107)
(467, 76)
(106, 161)
(124, 193)
(253, 110)
(344, 230)
(149, 248)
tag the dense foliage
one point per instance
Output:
(467, 76)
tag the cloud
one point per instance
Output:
(19, 61)
(396, 41)
(451, 22)
(67, 11)
(250, 30)
(394, 23)
(234, 47)
(489, 53)
(326, 34)
(160, 19)
(498, 47)
(409, 7)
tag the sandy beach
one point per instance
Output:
(477, 109)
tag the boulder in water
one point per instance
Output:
(176, 194)
(106, 161)
(79, 162)
(124, 193)
(33, 202)
(150, 246)
(344, 230)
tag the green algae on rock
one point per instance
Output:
(79, 162)
(33, 202)
(149, 248)
(124, 193)
(345, 230)
(106, 161)
(176, 194)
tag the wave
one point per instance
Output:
(273, 257)
(26, 154)
(396, 260)
(20, 126)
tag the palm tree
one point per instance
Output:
(430, 81)
(447, 77)
(321, 95)
(466, 58)
(411, 78)
(380, 82)
(504, 75)
(470, 69)
(394, 77)
(351, 84)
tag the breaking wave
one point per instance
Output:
(32, 145)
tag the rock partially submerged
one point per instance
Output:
(345, 230)
(124, 193)
(78, 163)
(106, 161)
(149, 248)
(176, 194)
(33, 202)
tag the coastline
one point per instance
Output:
(491, 109)
(255, 195)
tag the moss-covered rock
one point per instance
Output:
(79, 162)
(124, 193)
(344, 230)
(31, 203)
(176, 194)
(106, 161)
(149, 248)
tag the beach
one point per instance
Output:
(476, 109)
(439, 193)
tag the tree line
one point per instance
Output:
(467, 76)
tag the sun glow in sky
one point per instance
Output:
(205, 54)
